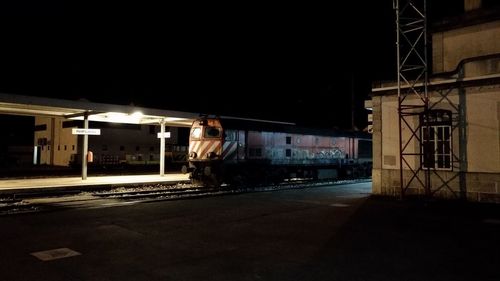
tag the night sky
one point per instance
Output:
(282, 62)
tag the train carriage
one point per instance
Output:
(253, 151)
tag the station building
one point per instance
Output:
(119, 144)
(462, 144)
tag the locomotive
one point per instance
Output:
(240, 151)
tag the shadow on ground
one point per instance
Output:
(388, 239)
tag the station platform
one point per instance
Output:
(10, 186)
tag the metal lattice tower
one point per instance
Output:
(418, 111)
(413, 98)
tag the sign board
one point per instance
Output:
(86, 131)
(166, 135)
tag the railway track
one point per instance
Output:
(162, 194)
(141, 194)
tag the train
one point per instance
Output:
(246, 151)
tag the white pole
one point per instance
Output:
(85, 146)
(35, 155)
(162, 148)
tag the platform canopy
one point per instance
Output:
(36, 106)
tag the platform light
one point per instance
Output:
(118, 117)
(136, 117)
(137, 114)
(115, 117)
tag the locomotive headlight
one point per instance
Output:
(211, 154)
(193, 154)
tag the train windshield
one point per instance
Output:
(196, 132)
(212, 132)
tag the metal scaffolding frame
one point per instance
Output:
(411, 40)
(415, 106)
(458, 125)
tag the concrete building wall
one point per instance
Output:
(56, 144)
(482, 172)
(483, 130)
(65, 143)
(42, 139)
(472, 90)
(470, 5)
(390, 133)
(377, 145)
(452, 46)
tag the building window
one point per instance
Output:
(65, 147)
(288, 152)
(73, 147)
(42, 127)
(58, 147)
(288, 140)
(436, 136)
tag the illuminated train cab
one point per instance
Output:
(247, 151)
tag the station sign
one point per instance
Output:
(166, 135)
(78, 131)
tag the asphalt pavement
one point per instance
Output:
(325, 233)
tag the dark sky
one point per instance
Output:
(283, 62)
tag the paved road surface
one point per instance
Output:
(325, 233)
